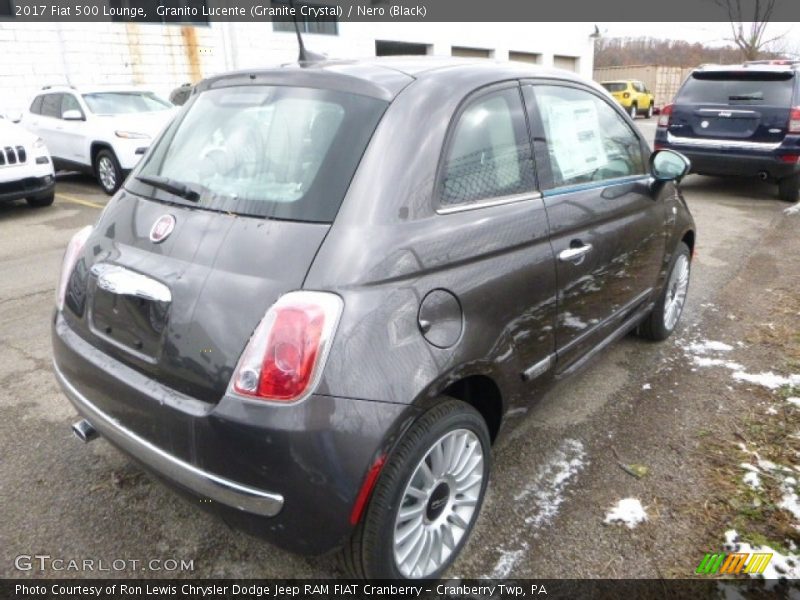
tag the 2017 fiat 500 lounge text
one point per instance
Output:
(315, 299)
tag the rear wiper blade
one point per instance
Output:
(176, 188)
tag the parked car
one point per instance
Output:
(26, 170)
(315, 300)
(100, 131)
(633, 96)
(739, 121)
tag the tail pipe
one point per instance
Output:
(84, 431)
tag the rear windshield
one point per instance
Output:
(615, 87)
(738, 88)
(270, 151)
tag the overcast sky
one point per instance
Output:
(713, 34)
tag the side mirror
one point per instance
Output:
(668, 165)
(72, 115)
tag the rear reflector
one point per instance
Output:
(665, 115)
(284, 358)
(794, 120)
(366, 489)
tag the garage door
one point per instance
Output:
(528, 57)
(471, 52)
(568, 63)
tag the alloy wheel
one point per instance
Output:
(107, 173)
(677, 287)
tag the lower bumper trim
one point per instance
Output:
(200, 482)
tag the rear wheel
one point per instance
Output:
(650, 111)
(634, 110)
(789, 187)
(41, 201)
(427, 498)
(664, 317)
(108, 171)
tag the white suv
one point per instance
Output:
(101, 131)
(25, 167)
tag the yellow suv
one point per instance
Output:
(633, 96)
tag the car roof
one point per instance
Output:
(91, 89)
(385, 77)
(765, 66)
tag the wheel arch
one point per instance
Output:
(96, 147)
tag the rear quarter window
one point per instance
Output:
(738, 88)
(36, 105)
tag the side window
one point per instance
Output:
(587, 140)
(637, 85)
(51, 105)
(489, 153)
(69, 102)
(36, 105)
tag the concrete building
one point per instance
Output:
(162, 56)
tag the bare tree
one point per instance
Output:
(749, 36)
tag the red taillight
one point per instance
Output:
(665, 115)
(626, 95)
(792, 159)
(794, 120)
(74, 249)
(284, 358)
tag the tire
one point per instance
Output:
(370, 553)
(634, 110)
(649, 114)
(660, 324)
(789, 187)
(41, 201)
(107, 171)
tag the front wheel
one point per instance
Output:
(108, 171)
(788, 188)
(650, 111)
(427, 498)
(634, 111)
(664, 317)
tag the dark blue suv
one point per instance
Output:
(739, 120)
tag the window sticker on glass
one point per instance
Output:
(573, 134)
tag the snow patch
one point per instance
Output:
(794, 209)
(706, 346)
(780, 567)
(628, 511)
(794, 400)
(647, 386)
(540, 501)
(767, 379)
(752, 479)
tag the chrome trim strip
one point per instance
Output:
(448, 210)
(201, 482)
(119, 280)
(538, 369)
(715, 143)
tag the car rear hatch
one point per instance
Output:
(617, 90)
(736, 106)
(226, 214)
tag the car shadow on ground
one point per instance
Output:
(733, 188)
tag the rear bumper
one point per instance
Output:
(733, 161)
(289, 474)
(202, 483)
(27, 187)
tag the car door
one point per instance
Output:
(487, 185)
(607, 230)
(48, 125)
(72, 132)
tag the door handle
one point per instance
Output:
(574, 253)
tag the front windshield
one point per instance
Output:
(118, 103)
(275, 151)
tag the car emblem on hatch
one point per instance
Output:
(162, 228)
